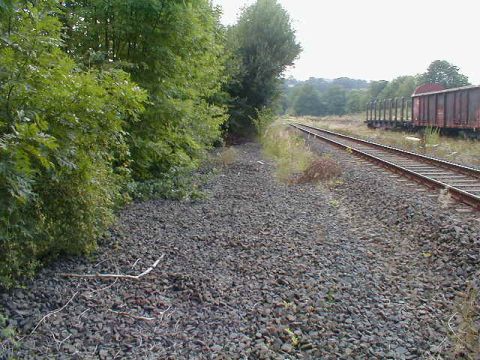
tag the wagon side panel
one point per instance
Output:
(440, 110)
(450, 100)
(474, 109)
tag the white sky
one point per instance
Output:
(379, 39)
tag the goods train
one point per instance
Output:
(451, 110)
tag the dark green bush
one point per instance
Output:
(78, 137)
(63, 153)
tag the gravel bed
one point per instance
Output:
(261, 270)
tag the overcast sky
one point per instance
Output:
(379, 39)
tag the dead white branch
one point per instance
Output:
(53, 312)
(124, 313)
(114, 276)
(60, 342)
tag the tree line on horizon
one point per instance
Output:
(320, 97)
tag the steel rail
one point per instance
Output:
(459, 194)
(434, 161)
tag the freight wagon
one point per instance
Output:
(453, 110)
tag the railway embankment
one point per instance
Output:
(368, 268)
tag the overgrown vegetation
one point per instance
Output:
(287, 149)
(321, 169)
(431, 136)
(7, 337)
(63, 149)
(102, 101)
(295, 162)
(466, 336)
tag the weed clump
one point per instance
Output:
(321, 169)
(227, 156)
(466, 338)
(287, 149)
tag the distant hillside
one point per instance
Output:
(320, 96)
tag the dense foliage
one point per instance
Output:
(63, 150)
(98, 100)
(262, 45)
(172, 49)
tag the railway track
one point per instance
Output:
(461, 182)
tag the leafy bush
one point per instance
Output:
(174, 50)
(7, 338)
(63, 153)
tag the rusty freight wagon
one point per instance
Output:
(451, 109)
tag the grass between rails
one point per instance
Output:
(457, 150)
(295, 162)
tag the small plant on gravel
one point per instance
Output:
(321, 169)
(294, 339)
(330, 296)
(444, 198)
(227, 156)
(466, 338)
(7, 338)
(335, 203)
(335, 182)
(287, 304)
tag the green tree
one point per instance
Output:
(63, 153)
(376, 87)
(402, 86)
(335, 99)
(356, 101)
(442, 72)
(174, 50)
(308, 101)
(263, 44)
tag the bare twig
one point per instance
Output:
(164, 312)
(53, 312)
(114, 276)
(60, 342)
(450, 325)
(124, 313)
(101, 262)
(83, 313)
(135, 263)
(102, 289)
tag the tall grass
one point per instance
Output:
(431, 136)
(466, 336)
(287, 149)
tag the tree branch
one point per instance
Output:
(114, 276)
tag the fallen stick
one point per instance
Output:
(124, 313)
(113, 276)
(53, 312)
